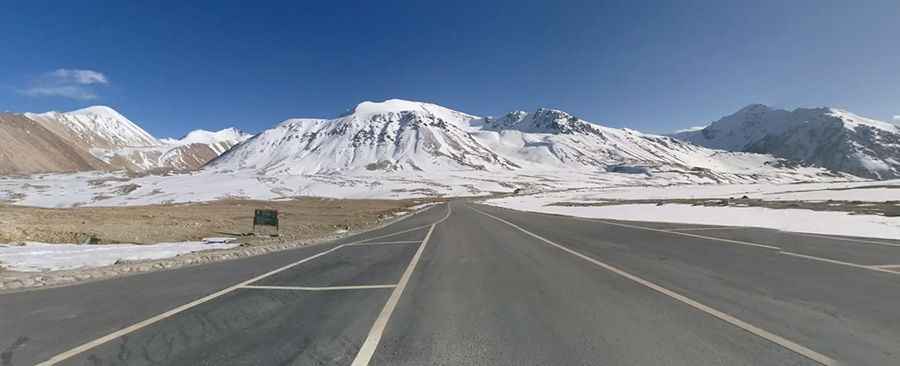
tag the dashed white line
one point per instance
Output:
(383, 243)
(393, 234)
(786, 343)
(144, 323)
(367, 350)
(326, 288)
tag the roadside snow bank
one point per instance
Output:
(808, 221)
(36, 257)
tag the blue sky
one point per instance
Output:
(647, 65)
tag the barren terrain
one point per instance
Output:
(302, 218)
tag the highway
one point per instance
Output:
(469, 284)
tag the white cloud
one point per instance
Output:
(84, 77)
(897, 117)
(67, 83)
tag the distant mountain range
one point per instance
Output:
(827, 137)
(407, 136)
(99, 138)
(398, 135)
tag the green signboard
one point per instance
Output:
(265, 218)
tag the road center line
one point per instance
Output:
(147, 322)
(804, 351)
(701, 228)
(834, 261)
(423, 227)
(367, 350)
(383, 243)
(327, 288)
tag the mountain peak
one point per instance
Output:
(755, 107)
(99, 110)
(829, 137)
(543, 120)
(368, 108)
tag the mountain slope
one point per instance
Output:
(826, 137)
(393, 135)
(122, 144)
(29, 147)
(398, 135)
(98, 127)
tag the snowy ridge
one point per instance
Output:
(219, 141)
(99, 126)
(831, 138)
(398, 135)
(120, 143)
(389, 136)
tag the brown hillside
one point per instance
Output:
(26, 147)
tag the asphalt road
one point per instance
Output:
(468, 284)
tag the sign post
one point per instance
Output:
(266, 218)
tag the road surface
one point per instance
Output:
(469, 284)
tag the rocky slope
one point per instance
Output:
(826, 137)
(28, 147)
(105, 137)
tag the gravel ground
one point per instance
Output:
(300, 219)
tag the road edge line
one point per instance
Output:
(771, 337)
(747, 243)
(853, 240)
(835, 261)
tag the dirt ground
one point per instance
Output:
(300, 219)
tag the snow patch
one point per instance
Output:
(797, 220)
(37, 257)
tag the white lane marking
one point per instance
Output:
(848, 239)
(394, 234)
(886, 266)
(144, 323)
(327, 288)
(137, 326)
(834, 261)
(383, 243)
(367, 350)
(804, 351)
(702, 228)
(682, 234)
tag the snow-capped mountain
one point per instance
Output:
(218, 141)
(105, 134)
(98, 127)
(398, 135)
(392, 135)
(831, 138)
